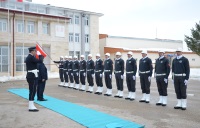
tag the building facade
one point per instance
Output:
(113, 44)
(60, 32)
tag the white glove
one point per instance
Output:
(134, 77)
(166, 80)
(110, 76)
(154, 75)
(122, 77)
(77, 73)
(172, 81)
(100, 75)
(71, 74)
(92, 75)
(186, 82)
(149, 78)
(83, 74)
(67, 73)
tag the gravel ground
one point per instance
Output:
(14, 109)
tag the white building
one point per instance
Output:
(60, 31)
(113, 44)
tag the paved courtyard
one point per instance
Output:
(14, 109)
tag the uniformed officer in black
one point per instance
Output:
(131, 69)
(99, 74)
(108, 69)
(70, 72)
(61, 75)
(82, 72)
(181, 73)
(145, 72)
(162, 70)
(42, 78)
(75, 68)
(90, 73)
(119, 74)
(65, 71)
(31, 76)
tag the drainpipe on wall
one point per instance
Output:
(13, 44)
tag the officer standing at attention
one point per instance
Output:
(65, 71)
(42, 78)
(145, 72)
(90, 73)
(82, 72)
(162, 70)
(61, 70)
(99, 74)
(75, 68)
(31, 76)
(70, 72)
(181, 73)
(108, 69)
(119, 74)
(131, 69)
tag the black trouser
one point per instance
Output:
(119, 81)
(162, 86)
(40, 89)
(82, 77)
(90, 79)
(65, 75)
(32, 82)
(70, 72)
(76, 77)
(61, 75)
(98, 79)
(108, 80)
(145, 83)
(180, 87)
(130, 82)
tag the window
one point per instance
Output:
(3, 25)
(32, 8)
(71, 53)
(20, 26)
(86, 21)
(76, 37)
(31, 27)
(71, 37)
(78, 54)
(19, 6)
(86, 54)
(71, 20)
(41, 10)
(76, 19)
(4, 59)
(21, 54)
(45, 27)
(86, 38)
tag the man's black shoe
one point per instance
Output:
(42, 99)
(33, 110)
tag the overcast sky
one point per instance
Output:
(140, 18)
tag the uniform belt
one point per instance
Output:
(144, 72)
(82, 70)
(60, 68)
(64, 69)
(180, 74)
(118, 71)
(69, 69)
(107, 70)
(34, 71)
(90, 70)
(163, 74)
(75, 70)
(97, 70)
(130, 72)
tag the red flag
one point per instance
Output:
(40, 51)
(19, 0)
